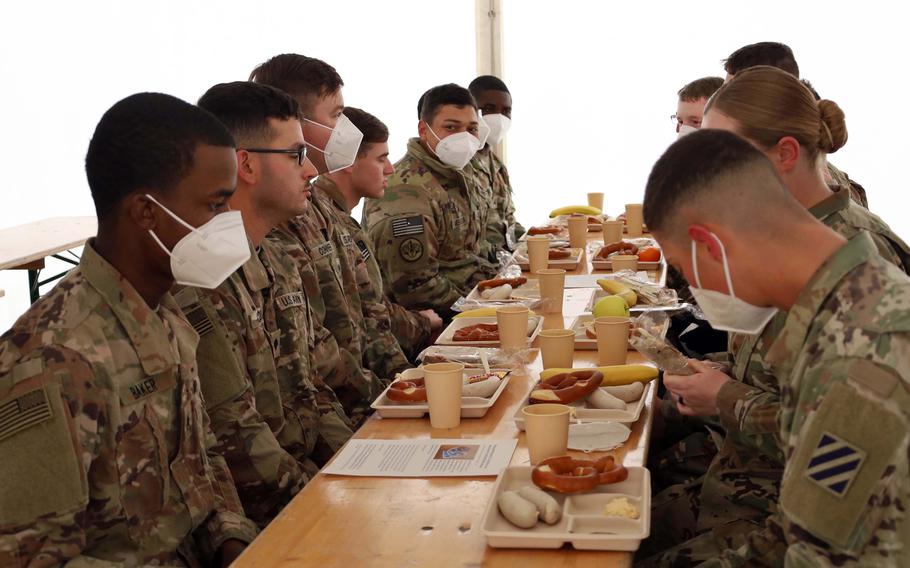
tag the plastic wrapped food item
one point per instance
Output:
(471, 357)
(647, 291)
(648, 337)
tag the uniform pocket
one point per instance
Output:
(142, 466)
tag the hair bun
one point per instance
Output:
(832, 131)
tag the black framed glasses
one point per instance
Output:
(300, 152)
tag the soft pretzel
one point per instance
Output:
(547, 230)
(413, 390)
(620, 247)
(567, 387)
(565, 474)
(477, 332)
(496, 282)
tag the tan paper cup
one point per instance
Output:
(596, 199)
(612, 232)
(538, 253)
(634, 219)
(612, 340)
(552, 282)
(513, 327)
(546, 430)
(624, 262)
(557, 347)
(578, 231)
(444, 382)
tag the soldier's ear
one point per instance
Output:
(247, 167)
(141, 210)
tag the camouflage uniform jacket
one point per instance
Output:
(427, 231)
(107, 451)
(842, 358)
(502, 230)
(841, 179)
(338, 368)
(381, 352)
(238, 347)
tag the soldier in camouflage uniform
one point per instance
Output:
(428, 228)
(843, 345)
(267, 423)
(317, 88)
(367, 178)
(107, 451)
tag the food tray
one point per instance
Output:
(561, 237)
(583, 524)
(471, 406)
(527, 291)
(608, 264)
(628, 416)
(520, 257)
(445, 338)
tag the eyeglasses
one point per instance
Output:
(300, 152)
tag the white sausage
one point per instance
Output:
(548, 507)
(518, 511)
(604, 400)
(627, 393)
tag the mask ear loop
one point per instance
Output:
(176, 218)
(695, 263)
(723, 256)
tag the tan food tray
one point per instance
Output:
(583, 524)
(608, 264)
(521, 259)
(471, 406)
(582, 414)
(446, 337)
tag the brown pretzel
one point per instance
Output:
(559, 254)
(620, 247)
(547, 230)
(477, 332)
(412, 390)
(497, 282)
(567, 387)
(565, 474)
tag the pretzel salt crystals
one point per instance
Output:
(567, 387)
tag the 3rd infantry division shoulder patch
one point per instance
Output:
(834, 464)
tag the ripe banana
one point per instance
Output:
(619, 289)
(569, 209)
(614, 375)
(478, 313)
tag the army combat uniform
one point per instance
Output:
(409, 329)
(427, 231)
(502, 230)
(107, 451)
(381, 352)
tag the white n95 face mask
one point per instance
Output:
(208, 254)
(344, 143)
(456, 150)
(499, 125)
(727, 312)
(483, 130)
(685, 129)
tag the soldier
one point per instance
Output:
(317, 88)
(776, 113)
(495, 104)
(720, 211)
(267, 422)
(690, 109)
(107, 451)
(367, 178)
(428, 228)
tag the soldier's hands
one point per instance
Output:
(229, 551)
(696, 395)
(433, 317)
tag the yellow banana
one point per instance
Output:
(614, 375)
(569, 209)
(619, 289)
(478, 313)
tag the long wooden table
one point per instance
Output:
(395, 522)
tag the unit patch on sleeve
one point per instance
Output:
(411, 249)
(834, 464)
(406, 226)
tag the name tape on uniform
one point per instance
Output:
(290, 300)
(406, 226)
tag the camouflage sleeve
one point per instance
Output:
(381, 354)
(494, 235)
(411, 329)
(747, 409)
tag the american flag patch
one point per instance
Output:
(364, 250)
(407, 226)
(195, 314)
(834, 464)
(23, 412)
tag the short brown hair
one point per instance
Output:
(700, 89)
(768, 104)
(305, 78)
(374, 131)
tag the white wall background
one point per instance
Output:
(594, 83)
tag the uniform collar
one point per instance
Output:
(789, 342)
(837, 201)
(330, 188)
(254, 272)
(418, 151)
(145, 328)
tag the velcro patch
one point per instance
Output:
(195, 314)
(23, 412)
(347, 240)
(406, 226)
(325, 249)
(290, 300)
(147, 386)
(364, 250)
(411, 249)
(834, 463)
